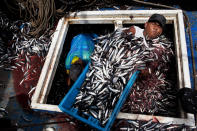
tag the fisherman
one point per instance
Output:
(78, 56)
(152, 29)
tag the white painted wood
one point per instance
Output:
(161, 119)
(122, 13)
(118, 24)
(46, 107)
(178, 55)
(45, 68)
(184, 56)
(185, 63)
(111, 20)
(54, 62)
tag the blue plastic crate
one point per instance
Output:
(69, 99)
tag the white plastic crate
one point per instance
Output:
(118, 18)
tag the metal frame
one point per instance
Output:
(117, 18)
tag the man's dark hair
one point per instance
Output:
(75, 71)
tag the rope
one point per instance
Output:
(40, 14)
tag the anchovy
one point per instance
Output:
(155, 84)
(109, 72)
(125, 124)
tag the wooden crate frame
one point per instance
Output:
(118, 18)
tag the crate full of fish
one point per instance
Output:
(66, 104)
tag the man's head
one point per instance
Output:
(76, 68)
(154, 27)
(75, 71)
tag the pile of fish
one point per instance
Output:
(30, 54)
(155, 90)
(6, 56)
(6, 28)
(151, 125)
(23, 52)
(115, 58)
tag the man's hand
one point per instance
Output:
(131, 29)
